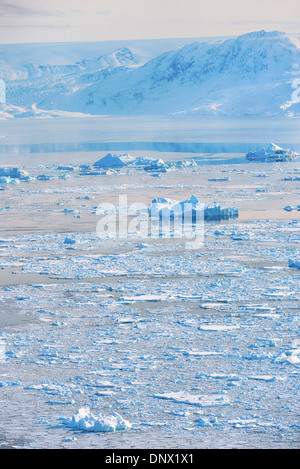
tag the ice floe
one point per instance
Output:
(213, 400)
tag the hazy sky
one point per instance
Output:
(98, 20)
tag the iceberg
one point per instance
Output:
(157, 166)
(69, 240)
(14, 173)
(295, 264)
(111, 160)
(163, 207)
(272, 153)
(8, 180)
(85, 420)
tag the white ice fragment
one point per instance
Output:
(213, 400)
(200, 353)
(263, 378)
(85, 420)
(217, 327)
(240, 423)
(204, 422)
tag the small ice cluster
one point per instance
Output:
(13, 175)
(85, 420)
(149, 164)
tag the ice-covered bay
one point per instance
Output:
(193, 348)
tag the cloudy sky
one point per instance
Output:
(98, 20)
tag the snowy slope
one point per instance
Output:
(18, 61)
(252, 74)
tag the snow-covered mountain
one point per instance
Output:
(254, 74)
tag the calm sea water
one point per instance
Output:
(183, 134)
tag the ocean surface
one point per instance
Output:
(169, 134)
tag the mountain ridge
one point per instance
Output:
(253, 74)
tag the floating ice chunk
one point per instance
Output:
(141, 297)
(143, 245)
(55, 389)
(85, 420)
(101, 384)
(191, 208)
(43, 177)
(67, 168)
(217, 327)
(290, 357)
(200, 353)
(4, 384)
(209, 305)
(219, 179)
(295, 264)
(204, 422)
(240, 423)
(14, 173)
(8, 180)
(158, 166)
(263, 378)
(142, 161)
(111, 160)
(272, 153)
(213, 400)
(69, 240)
